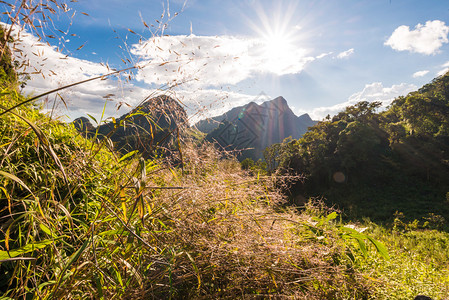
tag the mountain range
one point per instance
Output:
(249, 129)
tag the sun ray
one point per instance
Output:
(279, 39)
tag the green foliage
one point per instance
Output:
(283, 156)
(258, 167)
(152, 128)
(247, 163)
(271, 156)
(81, 222)
(323, 223)
(371, 164)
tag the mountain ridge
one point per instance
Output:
(253, 127)
(209, 124)
(143, 128)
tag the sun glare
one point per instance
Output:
(276, 45)
(277, 50)
(280, 41)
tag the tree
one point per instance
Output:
(363, 111)
(358, 147)
(247, 163)
(271, 156)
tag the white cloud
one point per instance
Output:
(444, 70)
(214, 60)
(420, 73)
(323, 55)
(372, 92)
(425, 39)
(201, 104)
(346, 53)
(57, 70)
(50, 69)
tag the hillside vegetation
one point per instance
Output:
(381, 165)
(150, 128)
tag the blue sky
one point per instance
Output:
(319, 55)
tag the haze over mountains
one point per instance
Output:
(253, 127)
(248, 129)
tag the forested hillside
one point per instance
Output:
(373, 163)
(78, 220)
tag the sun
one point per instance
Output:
(277, 49)
(279, 41)
(276, 45)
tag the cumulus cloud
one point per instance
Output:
(346, 53)
(444, 70)
(425, 39)
(372, 92)
(50, 69)
(420, 73)
(214, 60)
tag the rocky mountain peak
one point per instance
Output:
(255, 126)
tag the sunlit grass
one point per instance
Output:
(81, 222)
(418, 264)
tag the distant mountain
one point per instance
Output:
(145, 128)
(255, 127)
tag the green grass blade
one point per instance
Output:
(4, 255)
(381, 249)
(18, 180)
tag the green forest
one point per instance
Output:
(355, 209)
(377, 164)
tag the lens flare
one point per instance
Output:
(339, 177)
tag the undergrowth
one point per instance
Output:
(78, 221)
(418, 263)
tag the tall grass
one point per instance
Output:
(81, 222)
